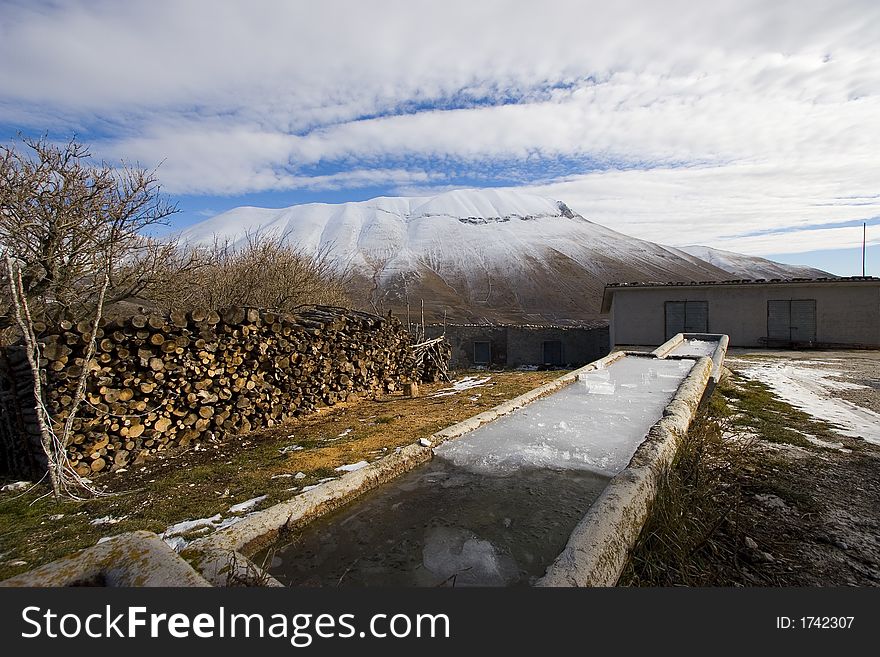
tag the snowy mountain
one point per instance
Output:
(743, 266)
(476, 255)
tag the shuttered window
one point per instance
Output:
(791, 321)
(686, 317)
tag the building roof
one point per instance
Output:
(584, 324)
(611, 288)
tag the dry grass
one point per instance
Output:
(708, 525)
(680, 543)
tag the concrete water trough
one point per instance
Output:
(548, 489)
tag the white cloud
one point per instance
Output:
(730, 117)
(720, 206)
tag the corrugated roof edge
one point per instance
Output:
(593, 324)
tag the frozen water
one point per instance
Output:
(497, 505)
(439, 525)
(581, 427)
(452, 552)
(695, 348)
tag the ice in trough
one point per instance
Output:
(495, 506)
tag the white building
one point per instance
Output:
(832, 312)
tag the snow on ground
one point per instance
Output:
(352, 466)
(461, 385)
(247, 505)
(173, 535)
(811, 390)
(186, 526)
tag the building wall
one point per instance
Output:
(513, 346)
(462, 339)
(845, 314)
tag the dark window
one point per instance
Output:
(482, 353)
(686, 317)
(553, 352)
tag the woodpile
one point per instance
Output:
(159, 382)
(432, 359)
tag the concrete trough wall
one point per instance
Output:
(133, 559)
(599, 546)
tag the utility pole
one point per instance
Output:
(864, 244)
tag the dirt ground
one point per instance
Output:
(816, 508)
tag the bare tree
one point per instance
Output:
(263, 272)
(69, 229)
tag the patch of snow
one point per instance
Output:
(299, 475)
(176, 543)
(281, 476)
(743, 266)
(103, 539)
(290, 448)
(345, 433)
(352, 466)
(465, 383)
(827, 444)
(811, 391)
(189, 525)
(772, 501)
(228, 522)
(247, 505)
(104, 520)
(18, 485)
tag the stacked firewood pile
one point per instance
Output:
(432, 359)
(160, 382)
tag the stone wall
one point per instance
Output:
(523, 345)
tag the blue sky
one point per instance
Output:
(747, 126)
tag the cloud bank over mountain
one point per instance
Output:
(757, 122)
